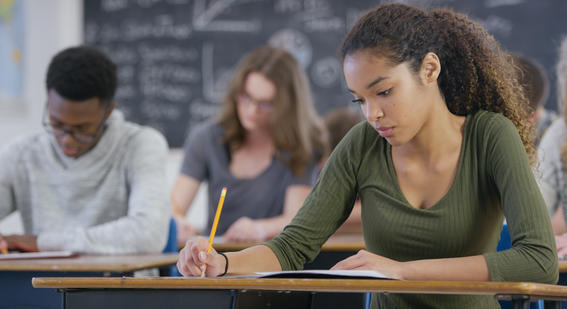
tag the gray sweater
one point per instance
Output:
(550, 172)
(111, 200)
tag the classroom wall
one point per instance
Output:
(51, 26)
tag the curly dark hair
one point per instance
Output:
(81, 73)
(475, 72)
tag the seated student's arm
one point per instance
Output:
(561, 243)
(9, 161)
(533, 255)
(194, 170)
(560, 230)
(144, 227)
(246, 229)
(183, 194)
(247, 261)
(548, 172)
(558, 222)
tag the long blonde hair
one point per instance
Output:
(298, 133)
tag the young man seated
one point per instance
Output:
(91, 182)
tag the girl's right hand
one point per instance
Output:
(194, 256)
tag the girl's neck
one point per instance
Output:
(441, 134)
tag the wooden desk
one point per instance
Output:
(16, 275)
(137, 292)
(337, 248)
(92, 263)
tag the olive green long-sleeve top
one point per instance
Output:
(493, 179)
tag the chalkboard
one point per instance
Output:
(176, 57)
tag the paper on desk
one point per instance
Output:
(37, 255)
(325, 273)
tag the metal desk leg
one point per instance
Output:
(552, 304)
(520, 302)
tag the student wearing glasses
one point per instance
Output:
(91, 182)
(264, 148)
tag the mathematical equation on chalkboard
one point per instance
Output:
(176, 57)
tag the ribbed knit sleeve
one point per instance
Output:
(493, 179)
(533, 254)
(9, 161)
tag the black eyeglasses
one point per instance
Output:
(264, 106)
(81, 137)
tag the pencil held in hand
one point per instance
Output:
(214, 227)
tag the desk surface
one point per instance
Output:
(562, 266)
(92, 263)
(343, 242)
(535, 290)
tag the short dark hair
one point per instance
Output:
(81, 73)
(339, 121)
(533, 78)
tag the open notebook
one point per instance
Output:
(324, 273)
(37, 255)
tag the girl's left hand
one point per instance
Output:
(365, 260)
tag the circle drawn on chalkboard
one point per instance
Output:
(295, 43)
(326, 72)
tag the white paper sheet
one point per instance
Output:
(36, 255)
(324, 273)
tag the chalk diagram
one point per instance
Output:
(294, 42)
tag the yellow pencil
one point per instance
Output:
(214, 227)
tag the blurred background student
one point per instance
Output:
(264, 147)
(533, 78)
(338, 122)
(552, 153)
(90, 182)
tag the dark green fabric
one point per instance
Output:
(493, 179)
